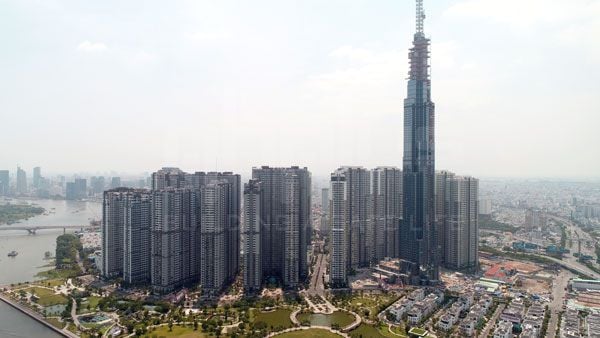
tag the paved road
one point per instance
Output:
(317, 287)
(573, 265)
(558, 293)
(492, 322)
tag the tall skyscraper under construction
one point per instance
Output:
(418, 241)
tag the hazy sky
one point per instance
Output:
(135, 85)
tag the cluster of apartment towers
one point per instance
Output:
(187, 230)
(365, 213)
(192, 221)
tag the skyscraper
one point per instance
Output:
(441, 192)
(251, 230)
(339, 231)
(97, 184)
(350, 195)
(21, 181)
(37, 176)
(462, 229)
(325, 200)
(81, 188)
(417, 236)
(285, 223)
(213, 235)
(126, 234)
(175, 238)
(168, 177)
(115, 182)
(4, 183)
(386, 190)
(324, 228)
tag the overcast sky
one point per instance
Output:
(132, 86)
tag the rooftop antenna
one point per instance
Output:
(420, 17)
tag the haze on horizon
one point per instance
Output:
(134, 86)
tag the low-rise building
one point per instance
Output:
(446, 322)
(467, 327)
(503, 330)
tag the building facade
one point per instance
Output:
(285, 216)
(338, 263)
(126, 225)
(175, 238)
(4, 183)
(251, 230)
(386, 190)
(461, 223)
(418, 242)
(21, 181)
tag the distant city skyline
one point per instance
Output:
(85, 86)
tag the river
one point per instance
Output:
(30, 260)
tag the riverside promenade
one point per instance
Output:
(36, 316)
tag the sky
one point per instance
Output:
(132, 86)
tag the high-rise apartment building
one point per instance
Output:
(37, 176)
(462, 228)
(352, 186)
(183, 232)
(251, 231)
(441, 211)
(418, 240)
(4, 183)
(115, 182)
(325, 200)
(285, 215)
(534, 219)
(169, 177)
(214, 222)
(386, 190)
(126, 234)
(485, 206)
(230, 187)
(21, 181)
(97, 184)
(175, 238)
(324, 226)
(338, 263)
(81, 188)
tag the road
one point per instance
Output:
(317, 286)
(492, 322)
(558, 294)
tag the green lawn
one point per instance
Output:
(56, 323)
(371, 303)
(58, 274)
(340, 318)
(364, 331)
(313, 333)
(51, 282)
(178, 331)
(47, 297)
(92, 301)
(278, 318)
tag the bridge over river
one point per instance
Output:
(32, 229)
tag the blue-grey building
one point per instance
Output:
(418, 242)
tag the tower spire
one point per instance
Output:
(420, 17)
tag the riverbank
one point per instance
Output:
(34, 315)
(15, 213)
